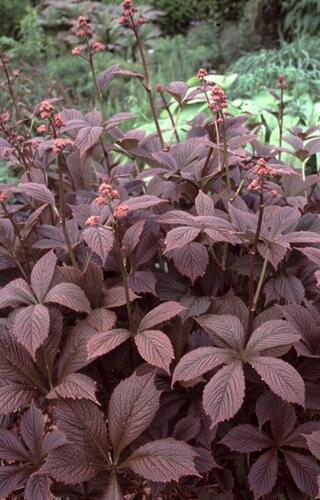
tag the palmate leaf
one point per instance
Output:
(32, 429)
(199, 361)
(263, 474)
(191, 260)
(247, 439)
(74, 386)
(143, 282)
(15, 396)
(224, 394)
(16, 364)
(104, 342)
(133, 405)
(17, 291)
(11, 447)
(204, 204)
(71, 464)
(304, 472)
(31, 327)
(37, 191)
(68, 295)
(180, 237)
(155, 347)
(87, 137)
(159, 314)
(272, 334)
(226, 329)
(113, 491)
(163, 460)
(186, 429)
(281, 377)
(42, 274)
(38, 488)
(12, 477)
(141, 202)
(100, 240)
(83, 424)
(313, 441)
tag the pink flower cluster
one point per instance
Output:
(83, 27)
(128, 12)
(106, 193)
(262, 170)
(46, 109)
(282, 84)
(121, 212)
(219, 100)
(93, 220)
(202, 73)
(60, 144)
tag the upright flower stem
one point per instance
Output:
(281, 113)
(147, 84)
(225, 152)
(167, 107)
(9, 86)
(253, 298)
(61, 213)
(94, 77)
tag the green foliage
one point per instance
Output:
(302, 16)
(12, 11)
(179, 14)
(299, 61)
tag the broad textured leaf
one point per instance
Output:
(17, 291)
(304, 472)
(159, 314)
(15, 362)
(247, 439)
(42, 274)
(199, 361)
(143, 282)
(31, 327)
(14, 397)
(87, 137)
(180, 237)
(100, 240)
(155, 348)
(288, 288)
(133, 405)
(39, 192)
(313, 441)
(12, 477)
(68, 295)
(11, 447)
(204, 204)
(263, 474)
(163, 460)
(116, 297)
(32, 429)
(274, 333)
(104, 342)
(281, 377)
(191, 260)
(71, 464)
(132, 236)
(224, 394)
(141, 202)
(38, 488)
(187, 428)
(74, 386)
(226, 327)
(113, 491)
(83, 424)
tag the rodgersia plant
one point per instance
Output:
(160, 321)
